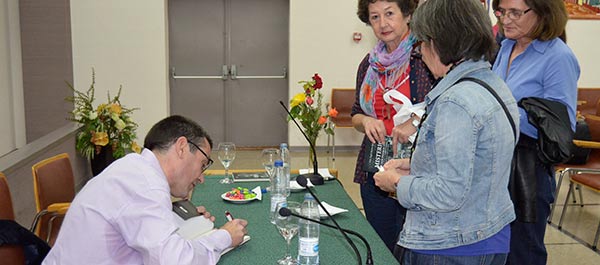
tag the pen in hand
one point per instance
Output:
(228, 216)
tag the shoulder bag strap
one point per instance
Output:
(483, 84)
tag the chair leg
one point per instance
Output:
(574, 197)
(580, 195)
(562, 215)
(561, 174)
(595, 244)
(49, 233)
(333, 148)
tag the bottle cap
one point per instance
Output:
(278, 163)
(282, 145)
(308, 196)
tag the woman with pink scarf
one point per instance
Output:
(390, 81)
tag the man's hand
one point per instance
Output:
(202, 211)
(236, 229)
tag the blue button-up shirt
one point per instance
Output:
(546, 69)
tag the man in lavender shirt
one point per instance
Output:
(124, 216)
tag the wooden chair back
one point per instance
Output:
(342, 100)
(9, 254)
(53, 182)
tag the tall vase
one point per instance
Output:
(102, 160)
(312, 151)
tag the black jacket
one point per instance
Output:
(554, 145)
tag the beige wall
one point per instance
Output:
(126, 43)
(583, 36)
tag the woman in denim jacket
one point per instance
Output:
(455, 186)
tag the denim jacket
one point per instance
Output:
(457, 190)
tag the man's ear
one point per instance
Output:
(180, 145)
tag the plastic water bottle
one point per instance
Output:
(277, 189)
(285, 157)
(308, 236)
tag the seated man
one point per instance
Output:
(123, 215)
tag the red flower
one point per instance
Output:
(318, 81)
(309, 101)
(333, 113)
(322, 120)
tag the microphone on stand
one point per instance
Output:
(287, 212)
(315, 177)
(302, 181)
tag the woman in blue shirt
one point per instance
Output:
(534, 62)
(454, 188)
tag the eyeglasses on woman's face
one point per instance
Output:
(513, 14)
(210, 161)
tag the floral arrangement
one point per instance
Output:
(308, 112)
(108, 124)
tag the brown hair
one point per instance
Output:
(460, 29)
(553, 18)
(406, 6)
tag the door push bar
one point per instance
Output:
(234, 75)
(225, 73)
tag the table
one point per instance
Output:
(267, 245)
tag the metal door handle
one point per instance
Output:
(235, 76)
(224, 74)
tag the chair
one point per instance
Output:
(588, 101)
(342, 100)
(589, 178)
(54, 189)
(9, 254)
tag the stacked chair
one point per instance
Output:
(54, 189)
(584, 175)
(9, 254)
(342, 100)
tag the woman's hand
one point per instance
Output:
(202, 210)
(401, 166)
(374, 129)
(401, 133)
(394, 169)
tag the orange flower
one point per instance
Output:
(99, 138)
(322, 120)
(333, 113)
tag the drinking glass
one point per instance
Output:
(226, 156)
(269, 156)
(288, 228)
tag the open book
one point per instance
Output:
(197, 225)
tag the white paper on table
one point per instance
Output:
(258, 192)
(324, 172)
(294, 186)
(331, 209)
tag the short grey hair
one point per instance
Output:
(460, 29)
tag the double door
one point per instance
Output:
(228, 61)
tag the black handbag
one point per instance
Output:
(581, 154)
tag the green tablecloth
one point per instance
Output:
(267, 245)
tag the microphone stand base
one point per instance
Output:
(315, 178)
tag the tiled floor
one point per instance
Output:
(569, 246)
